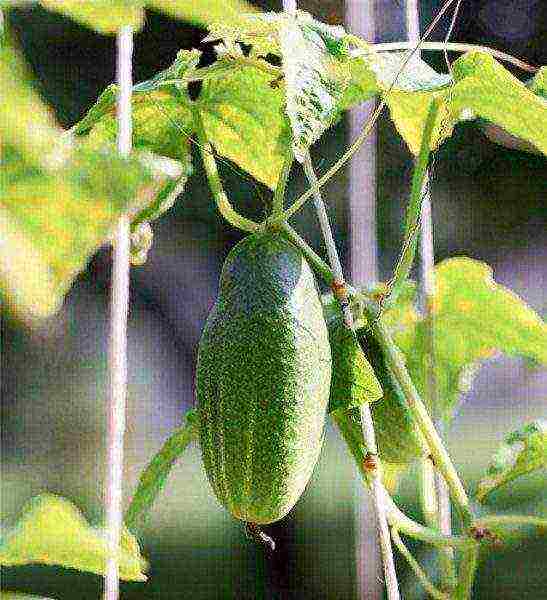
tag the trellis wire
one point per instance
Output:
(117, 360)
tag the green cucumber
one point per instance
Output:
(263, 380)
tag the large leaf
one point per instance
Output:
(524, 451)
(161, 112)
(52, 531)
(473, 318)
(244, 121)
(105, 16)
(315, 80)
(51, 223)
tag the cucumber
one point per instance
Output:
(263, 380)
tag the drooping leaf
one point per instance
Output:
(315, 81)
(523, 451)
(204, 13)
(473, 318)
(51, 223)
(104, 16)
(244, 121)
(161, 112)
(53, 531)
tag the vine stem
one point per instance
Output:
(437, 484)
(117, 363)
(341, 293)
(209, 162)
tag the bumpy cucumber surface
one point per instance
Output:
(263, 380)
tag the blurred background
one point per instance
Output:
(489, 204)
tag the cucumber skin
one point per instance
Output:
(263, 380)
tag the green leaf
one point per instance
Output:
(314, 80)
(524, 451)
(104, 16)
(51, 223)
(162, 115)
(473, 318)
(52, 531)
(155, 474)
(353, 379)
(487, 90)
(244, 121)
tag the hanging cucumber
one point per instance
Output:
(262, 381)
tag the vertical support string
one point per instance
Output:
(119, 305)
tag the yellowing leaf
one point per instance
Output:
(105, 16)
(244, 121)
(52, 531)
(26, 122)
(473, 317)
(523, 452)
(50, 225)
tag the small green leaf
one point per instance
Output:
(524, 451)
(353, 379)
(155, 474)
(315, 81)
(104, 16)
(52, 531)
(244, 121)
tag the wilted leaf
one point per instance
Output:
(52, 531)
(524, 451)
